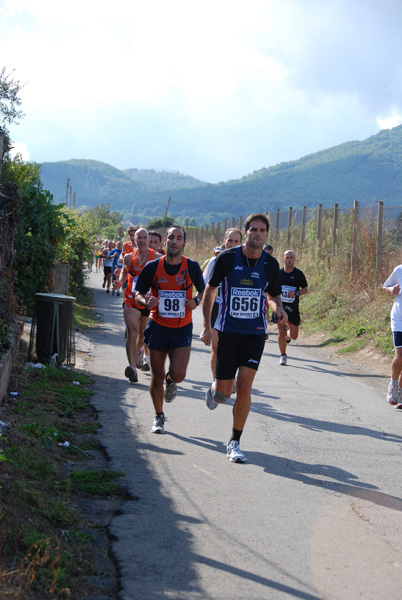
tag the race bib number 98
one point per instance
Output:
(172, 305)
(245, 304)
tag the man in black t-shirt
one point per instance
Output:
(294, 285)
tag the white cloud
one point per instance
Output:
(22, 149)
(389, 122)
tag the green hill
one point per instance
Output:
(367, 171)
(93, 181)
(163, 180)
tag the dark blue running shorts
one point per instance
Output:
(397, 339)
(158, 337)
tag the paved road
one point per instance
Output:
(316, 513)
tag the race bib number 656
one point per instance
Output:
(172, 304)
(245, 304)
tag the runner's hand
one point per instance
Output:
(206, 336)
(282, 317)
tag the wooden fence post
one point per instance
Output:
(355, 233)
(277, 224)
(335, 229)
(240, 223)
(226, 225)
(379, 238)
(219, 230)
(289, 226)
(303, 228)
(319, 221)
(233, 222)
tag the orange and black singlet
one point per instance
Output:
(134, 270)
(173, 285)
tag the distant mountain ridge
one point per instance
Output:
(163, 180)
(367, 171)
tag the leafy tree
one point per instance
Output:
(160, 222)
(40, 231)
(9, 102)
(101, 222)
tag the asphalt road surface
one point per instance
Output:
(316, 513)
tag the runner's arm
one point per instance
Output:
(208, 301)
(122, 274)
(393, 290)
(198, 280)
(144, 284)
(275, 303)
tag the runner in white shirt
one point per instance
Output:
(393, 287)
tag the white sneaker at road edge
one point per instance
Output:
(392, 395)
(234, 453)
(283, 360)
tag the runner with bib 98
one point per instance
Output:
(170, 327)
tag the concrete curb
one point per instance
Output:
(8, 360)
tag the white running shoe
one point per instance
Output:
(283, 360)
(234, 453)
(392, 395)
(145, 366)
(209, 401)
(140, 359)
(158, 424)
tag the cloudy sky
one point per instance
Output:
(214, 89)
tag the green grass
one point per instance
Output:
(99, 483)
(45, 547)
(85, 317)
(348, 318)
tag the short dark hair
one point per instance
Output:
(176, 227)
(256, 217)
(156, 234)
(268, 247)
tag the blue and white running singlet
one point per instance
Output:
(242, 302)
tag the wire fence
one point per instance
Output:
(360, 234)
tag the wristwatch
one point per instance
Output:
(196, 300)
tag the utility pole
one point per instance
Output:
(167, 208)
(68, 185)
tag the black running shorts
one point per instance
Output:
(236, 351)
(293, 314)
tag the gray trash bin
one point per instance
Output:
(54, 318)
